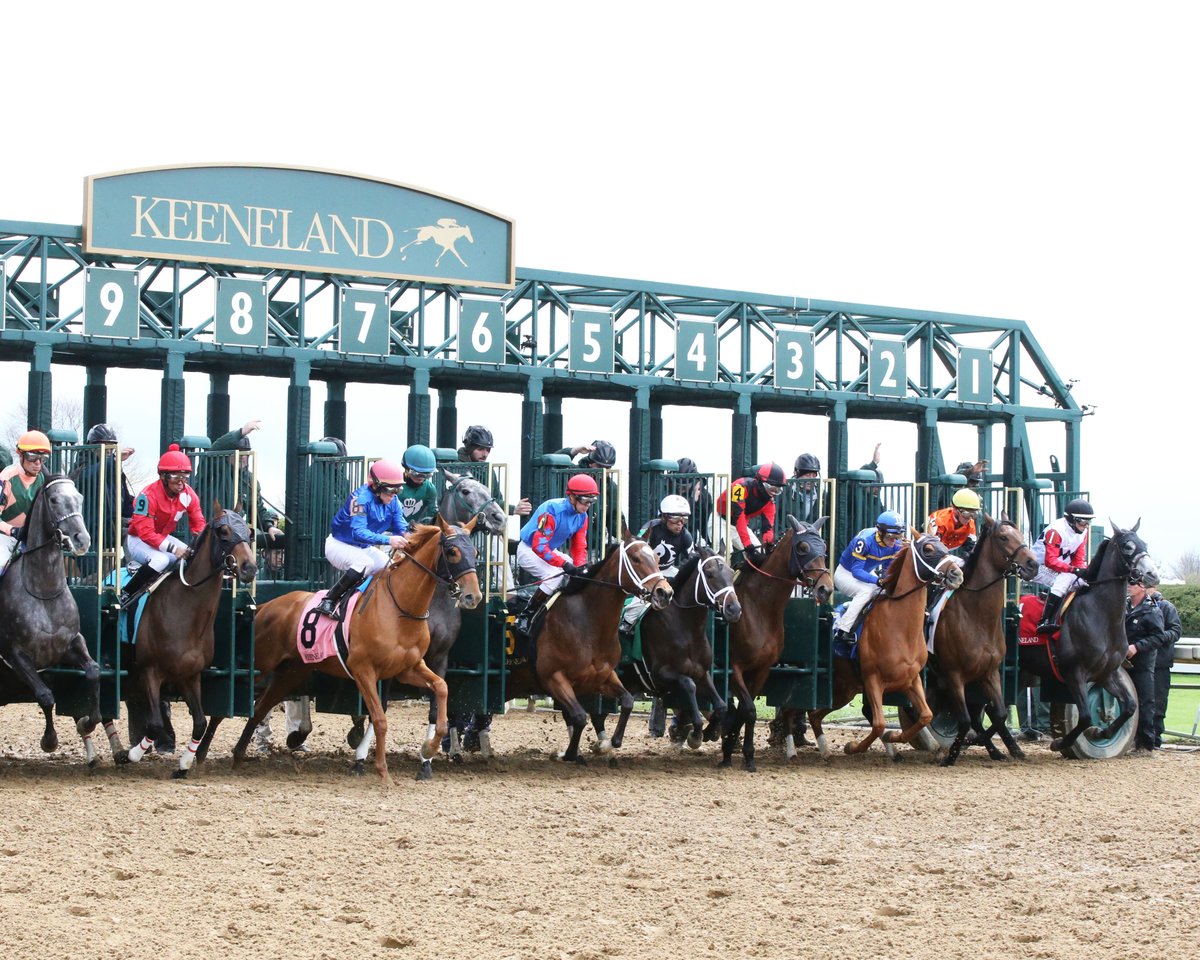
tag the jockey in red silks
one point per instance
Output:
(1062, 554)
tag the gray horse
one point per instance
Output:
(39, 616)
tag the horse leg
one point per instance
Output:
(559, 687)
(76, 655)
(845, 686)
(613, 687)
(717, 717)
(190, 689)
(207, 739)
(26, 672)
(151, 683)
(952, 686)
(1077, 687)
(285, 678)
(735, 716)
(1128, 705)
(603, 744)
(997, 712)
(873, 701)
(916, 696)
(688, 686)
(421, 676)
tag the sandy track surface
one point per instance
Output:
(659, 855)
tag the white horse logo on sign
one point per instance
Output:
(445, 233)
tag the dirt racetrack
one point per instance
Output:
(660, 856)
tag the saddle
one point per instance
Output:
(521, 645)
(1032, 607)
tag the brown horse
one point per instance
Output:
(578, 650)
(756, 640)
(969, 643)
(892, 651)
(174, 642)
(388, 637)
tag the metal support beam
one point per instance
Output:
(218, 405)
(532, 439)
(641, 427)
(552, 426)
(656, 431)
(297, 501)
(170, 424)
(929, 451)
(40, 402)
(95, 398)
(447, 418)
(839, 444)
(335, 409)
(1072, 452)
(420, 409)
(742, 442)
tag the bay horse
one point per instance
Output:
(39, 619)
(578, 650)
(969, 644)
(175, 642)
(756, 639)
(892, 650)
(1091, 645)
(389, 635)
(676, 651)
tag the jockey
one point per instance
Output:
(1061, 553)
(955, 525)
(19, 484)
(368, 524)
(863, 564)
(553, 525)
(668, 536)
(156, 513)
(418, 497)
(753, 496)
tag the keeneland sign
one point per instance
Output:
(296, 219)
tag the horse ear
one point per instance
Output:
(913, 533)
(445, 527)
(1117, 531)
(1136, 525)
(451, 477)
(625, 534)
(819, 524)
(216, 511)
(1004, 518)
(721, 549)
(469, 526)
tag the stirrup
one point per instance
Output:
(327, 609)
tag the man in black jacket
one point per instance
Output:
(1144, 631)
(1163, 661)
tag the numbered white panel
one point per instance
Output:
(110, 302)
(240, 315)
(795, 360)
(975, 375)
(364, 322)
(887, 375)
(591, 348)
(481, 330)
(696, 350)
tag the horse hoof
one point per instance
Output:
(725, 763)
(357, 769)
(996, 755)
(121, 757)
(50, 743)
(946, 761)
(694, 742)
(426, 771)
(1056, 744)
(1018, 753)
(456, 758)
(749, 767)
(602, 746)
(93, 764)
(612, 763)
(296, 739)
(616, 742)
(178, 774)
(848, 749)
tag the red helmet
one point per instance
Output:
(387, 472)
(769, 473)
(583, 485)
(174, 461)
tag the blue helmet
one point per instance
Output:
(419, 459)
(890, 522)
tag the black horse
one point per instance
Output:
(676, 653)
(39, 616)
(1092, 645)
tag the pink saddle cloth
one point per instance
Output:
(316, 635)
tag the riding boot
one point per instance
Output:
(347, 582)
(525, 618)
(144, 576)
(1050, 614)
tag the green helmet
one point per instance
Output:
(419, 459)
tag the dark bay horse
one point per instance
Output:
(578, 651)
(39, 621)
(969, 644)
(388, 638)
(676, 650)
(892, 650)
(175, 642)
(1092, 644)
(756, 640)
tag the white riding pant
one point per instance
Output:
(1060, 584)
(346, 556)
(735, 538)
(860, 592)
(7, 546)
(159, 558)
(633, 609)
(531, 563)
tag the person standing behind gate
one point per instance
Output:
(21, 482)
(267, 519)
(1164, 660)
(1144, 630)
(477, 447)
(695, 491)
(805, 488)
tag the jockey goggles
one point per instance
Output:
(586, 497)
(35, 457)
(676, 516)
(174, 475)
(771, 489)
(418, 475)
(388, 487)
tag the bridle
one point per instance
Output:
(458, 501)
(927, 574)
(716, 599)
(807, 577)
(453, 573)
(625, 566)
(1008, 565)
(223, 562)
(60, 539)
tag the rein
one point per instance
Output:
(625, 565)
(450, 581)
(807, 578)
(223, 564)
(936, 577)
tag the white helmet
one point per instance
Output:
(675, 504)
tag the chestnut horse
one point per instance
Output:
(892, 650)
(174, 642)
(756, 640)
(969, 643)
(578, 650)
(389, 634)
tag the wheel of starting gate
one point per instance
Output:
(1104, 710)
(933, 737)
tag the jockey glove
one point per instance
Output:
(569, 568)
(18, 533)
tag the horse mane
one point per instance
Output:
(892, 577)
(575, 584)
(686, 569)
(972, 561)
(1093, 569)
(42, 489)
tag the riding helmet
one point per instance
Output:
(890, 522)
(419, 459)
(102, 433)
(687, 465)
(174, 461)
(1079, 510)
(966, 499)
(338, 443)
(603, 454)
(674, 504)
(807, 463)
(386, 472)
(583, 485)
(769, 474)
(33, 441)
(477, 436)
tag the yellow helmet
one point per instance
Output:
(966, 499)
(33, 440)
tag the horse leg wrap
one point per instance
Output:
(114, 738)
(89, 748)
(455, 742)
(789, 746)
(823, 745)
(188, 757)
(485, 744)
(138, 750)
(365, 743)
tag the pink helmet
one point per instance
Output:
(387, 472)
(583, 485)
(174, 461)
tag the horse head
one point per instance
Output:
(232, 544)
(715, 576)
(932, 561)
(1012, 554)
(639, 567)
(62, 504)
(456, 563)
(1132, 552)
(465, 498)
(806, 563)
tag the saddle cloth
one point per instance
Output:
(848, 649)
(319, 637)
(931, 619)
(1032, 607)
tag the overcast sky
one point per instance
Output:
(1029, 161)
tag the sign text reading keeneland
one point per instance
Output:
(296, 219)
